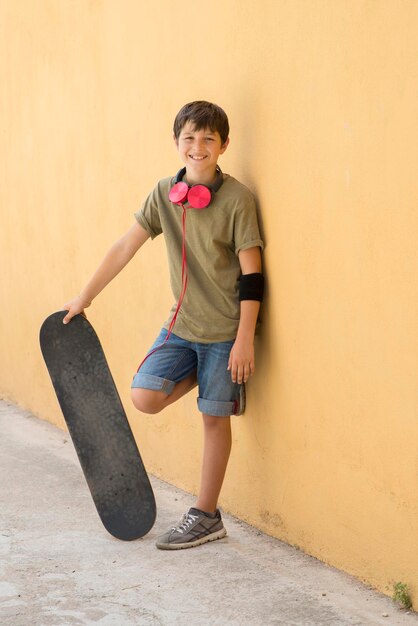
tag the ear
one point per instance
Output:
(176, 141)
(224, 146)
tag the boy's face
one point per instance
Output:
(199, 150)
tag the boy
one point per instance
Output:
(212, 345)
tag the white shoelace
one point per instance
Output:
(186, 521)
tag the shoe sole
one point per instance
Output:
(241, 404)
(220, 534)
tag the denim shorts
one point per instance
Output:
(178, 358)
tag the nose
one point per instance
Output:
(200, 142)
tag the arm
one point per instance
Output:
(241, 359)
(115, 260)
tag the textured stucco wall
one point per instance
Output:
(322, 99)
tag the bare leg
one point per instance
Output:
(217, 447)
(150, 401)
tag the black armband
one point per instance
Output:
(251, 287)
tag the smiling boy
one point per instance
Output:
(209, 340)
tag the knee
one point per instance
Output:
(147, 400)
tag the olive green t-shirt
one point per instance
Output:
(210, 311)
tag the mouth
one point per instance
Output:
(197, 158)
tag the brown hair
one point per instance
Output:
(203, 115)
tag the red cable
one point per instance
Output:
(183, 288)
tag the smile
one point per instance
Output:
(197, 158)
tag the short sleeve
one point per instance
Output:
(148, 215)
(246, 228)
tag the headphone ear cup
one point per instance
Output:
(178, 193)
(199, 196)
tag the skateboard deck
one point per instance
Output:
(98, 426)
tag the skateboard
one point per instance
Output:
(98, 426)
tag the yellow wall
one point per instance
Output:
(322, 97)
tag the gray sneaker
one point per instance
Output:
(193, 529)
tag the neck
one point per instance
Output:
(205, 178)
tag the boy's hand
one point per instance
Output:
(241, 361)
(74, 307)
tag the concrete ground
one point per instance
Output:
(59, 566)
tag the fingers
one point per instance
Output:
(68, 317)
(241, 362)
(241, 373)
(71, 314)
(75, 307)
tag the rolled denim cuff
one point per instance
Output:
(149, 381)
(216, 408)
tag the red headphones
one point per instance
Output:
(198, 196)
